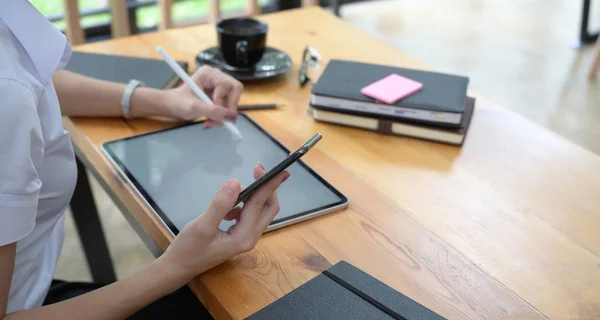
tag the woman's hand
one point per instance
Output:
(224, 90)
(201, 245)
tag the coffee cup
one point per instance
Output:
(242, 41)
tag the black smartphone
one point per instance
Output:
(293, 157)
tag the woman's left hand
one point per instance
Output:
(224, 90)
(201, 244)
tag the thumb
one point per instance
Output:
(223, 202)
(215, 112)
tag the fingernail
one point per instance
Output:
(231, 186)
(258, 164)
(231, 117)
(285, 178)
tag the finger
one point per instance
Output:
(227, 89)
(222, 203)
(259, 170)
(208, 124)
(270, 210)
(234, 214)
(203, 73)
(234, 96)
(220, 93)
(253, 207)
(214, 112)
(211, 124)
(263, 193)
(222, 96)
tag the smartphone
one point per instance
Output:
(293, 157)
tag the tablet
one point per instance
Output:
(178, 170)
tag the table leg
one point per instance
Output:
(585, 37)
(89, 228)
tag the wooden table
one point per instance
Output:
(506, 227)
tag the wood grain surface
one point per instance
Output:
(506, 227)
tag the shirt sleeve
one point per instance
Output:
(21, 153)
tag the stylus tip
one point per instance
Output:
(237, 136)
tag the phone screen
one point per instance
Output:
(293, 157)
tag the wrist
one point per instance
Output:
(146, 102)
(176, 275)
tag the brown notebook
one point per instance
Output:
(401, 128)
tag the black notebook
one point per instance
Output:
(345, 292)
(442, 98)
(154, 73)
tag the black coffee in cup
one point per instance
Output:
(242, 41)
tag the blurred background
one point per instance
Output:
(145, 15)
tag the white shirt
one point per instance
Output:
(37, 163)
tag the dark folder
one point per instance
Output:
(345, 292)
(154, 73)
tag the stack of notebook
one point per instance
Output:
(440, 111)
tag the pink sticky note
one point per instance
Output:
(391, 88)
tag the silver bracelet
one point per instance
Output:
(126, 99)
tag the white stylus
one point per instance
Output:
(195, 89)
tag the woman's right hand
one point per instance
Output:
(201, 245)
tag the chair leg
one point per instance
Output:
(166, 19)
(308, 3)
(596, 64)
(120, 18)
(253, 7)
(214, 11)
(74, 31)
